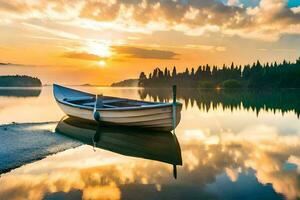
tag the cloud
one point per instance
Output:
(168, 12)
(296, 9)
(207, 47)
(137, 52)
(59, 33)
(233, 2)
(4, 48)
(6, 64)
(267, 20)
(82, 56)
(13, 6)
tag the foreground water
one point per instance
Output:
(232, 144)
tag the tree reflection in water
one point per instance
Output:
(270, 100)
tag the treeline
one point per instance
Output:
(257, 75)
(19, 81)
(276, 101)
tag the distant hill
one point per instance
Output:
(126, 83)
(19, 81)
(86, 84)
(4, 63)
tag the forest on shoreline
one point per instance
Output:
(257, 75)
(19, 81)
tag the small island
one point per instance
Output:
(19, 81)
(126, 83)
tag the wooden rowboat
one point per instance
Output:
(118, 111)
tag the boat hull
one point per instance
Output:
(156, 118)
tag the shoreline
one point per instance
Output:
(40, 141)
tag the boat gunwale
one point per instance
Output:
(149, 105)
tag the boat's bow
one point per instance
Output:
(62, 93)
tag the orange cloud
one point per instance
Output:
(268, 20)
(82, 56)
(137, 52)
(12, 6)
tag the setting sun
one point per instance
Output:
(99, 49)
(102, 63)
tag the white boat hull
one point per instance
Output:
(117, 111)
(154, 118)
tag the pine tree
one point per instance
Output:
(174, 72)
(142, 79)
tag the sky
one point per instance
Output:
(104, 41)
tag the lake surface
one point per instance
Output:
(228, 145)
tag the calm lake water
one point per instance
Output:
(232, 145)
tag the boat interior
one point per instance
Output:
(106, 102)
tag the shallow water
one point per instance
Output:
(233, 145)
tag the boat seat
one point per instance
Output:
(110, 106)
(105, 102)
(114, 100)
(78, 98)
(92, 104)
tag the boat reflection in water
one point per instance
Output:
(152, 145)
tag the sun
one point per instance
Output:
(102, 63)
(99, 49)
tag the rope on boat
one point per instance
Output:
(96, 114)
